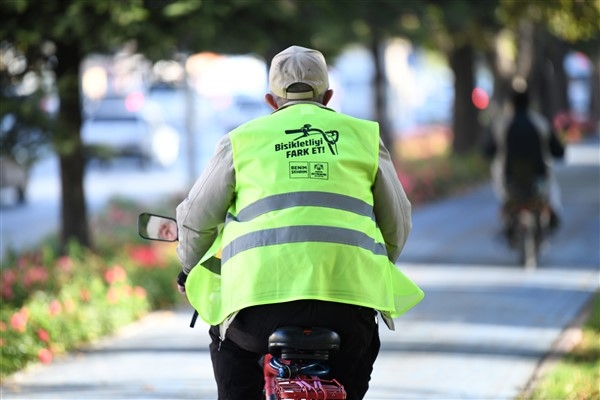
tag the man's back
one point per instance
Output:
(524, 154)
(310, 173)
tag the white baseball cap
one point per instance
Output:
(298, 64)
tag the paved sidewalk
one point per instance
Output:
(480, 333)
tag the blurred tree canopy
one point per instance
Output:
(54, 37)
(62, 33)
(544, 31)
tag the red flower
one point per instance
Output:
(9, 277)
(7, 292)
(18, 321)
(43, 335)
(112, 296)
(65, 264)
(139, 292)
(115, 274)
(45, 356)
(55, 307)
(35, 275)
(127, 290)
(85, 295)
(146, 256)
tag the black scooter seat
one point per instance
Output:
(296, 342)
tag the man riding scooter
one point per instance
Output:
(310, 215)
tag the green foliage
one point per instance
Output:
(455, 23)
(23, 141)
(570, 20)
(24, 124)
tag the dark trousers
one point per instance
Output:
(236, 360)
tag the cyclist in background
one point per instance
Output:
(522, 146)
(310, 217)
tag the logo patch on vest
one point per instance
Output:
(309, 170)
(304, 145)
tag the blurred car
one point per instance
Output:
(14, 176)
(117, 127)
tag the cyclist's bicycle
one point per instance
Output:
(297, 357)
(527, 223)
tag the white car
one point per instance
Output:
(116, 127)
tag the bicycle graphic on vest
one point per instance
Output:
(331, 137)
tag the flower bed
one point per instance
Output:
(438, 177)
(52, 304)
(427, 169)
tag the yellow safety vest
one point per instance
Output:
(302, 224)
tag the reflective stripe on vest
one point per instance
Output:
(298, 234)
(295, 199)
(310, 233)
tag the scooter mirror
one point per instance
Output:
(157, 227)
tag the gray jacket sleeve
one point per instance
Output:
(392, 207)
(204, 210)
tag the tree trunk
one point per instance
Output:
(548, 77)
(67, 141)
(531, 65)
(466, 125)
(556, 76)
(380, 85)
